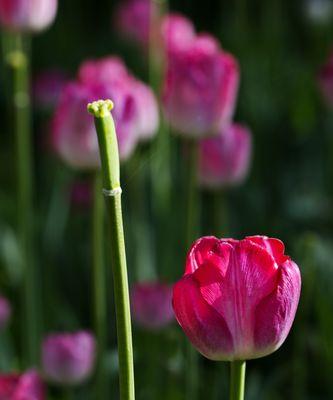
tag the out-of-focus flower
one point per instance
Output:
(224, 159)
(200, 88)
(68, 358)
(81, 194)
(133, 19)
(5, 312)
(27, 15)
(319, 12)
(238, 298)
(325, 80)
(47, 88)
(151, 305)
(74, 135)
(27, 386)
(177, 32)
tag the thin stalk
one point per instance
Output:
(192, 230)
(99, 288)
(19, 61)
(108, 146)
(237, 380)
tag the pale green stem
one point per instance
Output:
(99, 287)
(18, 60)
(237, 380)
(108, 146)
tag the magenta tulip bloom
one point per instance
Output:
(238, 298)
(47, 88)
(68, 358)
(27, 15)
(177, 33)
(224, 159)
(27, 386)
(151, 305)
(200, 88)
(5, 312)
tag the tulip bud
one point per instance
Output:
(68, 358)
(27, 15)
(177, 32)
(224, 159)
(200, 88)
(47, 88)
(5, 312)
(238, 298)
(151, 305)
(27, 386)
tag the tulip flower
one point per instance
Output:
(200, 88)
(238, 298)
(27, 386)
(136, 112)
(27, 15)
(68, 358)
(224, 159)
(325, 80)
(47, 88)
(151, 305)
(5, 312)
(177, 32)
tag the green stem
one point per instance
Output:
(18, 59)
(237, 380)
(99, 288)
(108, 146)
(192, 229)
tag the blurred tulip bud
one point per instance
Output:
(200, 88)
(238, 298)
(27, 386)
(177, 32)
(151, 305)
(27, 15)
(68, 358)
(224, 159)
(5, 312)
(47, 88)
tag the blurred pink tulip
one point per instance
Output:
(325, 80)
(200, 88)
(68, 358)
(238, 298)
(27, 386)
(177, 32)
(5, 312)
(47, 88)
(151, 305)
(27, 15)
(225, 159)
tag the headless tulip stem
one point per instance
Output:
(108, 146)
(192, 223)
(99, 288)
(237, 380)
(18, 59)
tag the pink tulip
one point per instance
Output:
(5, 312)
(151, 305)
(177, 32)
(27, 386)
(47, 88)
(133, 19)
(238, 298)
(27, 15)
(225, 159)
(68, 358)
(200, 88)
(325, 80)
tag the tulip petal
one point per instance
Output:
(205, 328)
(275, 247)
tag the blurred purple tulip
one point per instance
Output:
(47, 88)
(68, 358)
(27, 15)
(151, 305)
(5, 312)
(27, 386)
(224, 159)
(200, 88)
